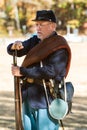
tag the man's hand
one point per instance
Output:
(17, 45)
(16, 71)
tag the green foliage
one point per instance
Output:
(8, 9)
(74, 23)
(79, 1)
(70, 13)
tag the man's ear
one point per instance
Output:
(54, 25)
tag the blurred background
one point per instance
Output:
(16, 24)
(16, 15)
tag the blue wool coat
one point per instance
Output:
(54, 66)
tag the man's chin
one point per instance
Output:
(40, 36)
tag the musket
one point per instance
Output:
(17, 96)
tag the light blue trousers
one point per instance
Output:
(38, 119)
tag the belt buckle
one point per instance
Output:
(30, 80)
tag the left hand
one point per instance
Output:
(16, 71)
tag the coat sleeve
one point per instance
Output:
(55, 67)
(28, 45)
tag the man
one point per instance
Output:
(55, 55)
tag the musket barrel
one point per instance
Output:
(18, 117)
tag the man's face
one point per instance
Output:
(44, 29)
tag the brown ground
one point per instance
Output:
(77, 120)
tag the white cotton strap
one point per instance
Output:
(65, 89)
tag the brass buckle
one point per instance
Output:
(30, 80)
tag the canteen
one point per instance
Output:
(58, 108)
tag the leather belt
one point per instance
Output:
(37, 81)
(40, 82)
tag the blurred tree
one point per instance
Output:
(74, 11)
(19, 13)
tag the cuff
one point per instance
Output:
(23, 71)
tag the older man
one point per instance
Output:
(50, 48)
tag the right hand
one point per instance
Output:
(17, 45)
(16, 71)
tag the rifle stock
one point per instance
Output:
(17, 96)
